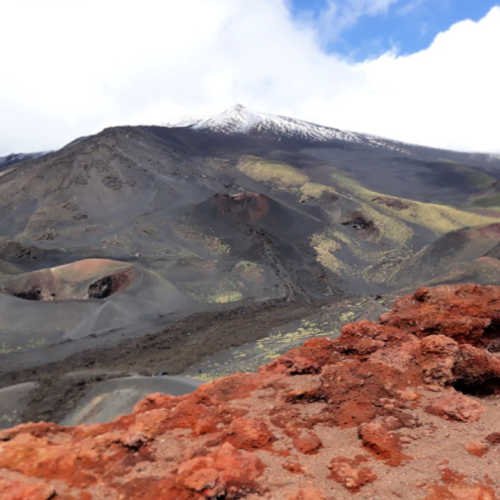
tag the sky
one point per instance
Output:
(419, 71)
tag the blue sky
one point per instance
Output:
(372, 27)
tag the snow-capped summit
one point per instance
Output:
(240, 120)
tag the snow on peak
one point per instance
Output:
(240, 120)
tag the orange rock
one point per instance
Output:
(17, 490)
(476, 448)
(307, 442)
(348, 473)
(226, 471)
(384, 444)
(248, 434)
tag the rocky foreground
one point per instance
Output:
(408, 407)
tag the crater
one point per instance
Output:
(359, 222)
(244, 207)
(87, 279)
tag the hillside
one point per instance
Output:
(127, 251)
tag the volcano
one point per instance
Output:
(196, 249)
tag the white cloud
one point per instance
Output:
(72, 68)
(339, 16)
(410, 6)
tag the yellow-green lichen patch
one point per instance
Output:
(438, 218)
(205, 377)
(274, 345)
(249, 270)
(211, 242)
(32, 343)
(225, 297)
(280, 174)
(314, 190)
(388, 227)
(325, 247)
(347, 317)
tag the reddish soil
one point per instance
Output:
(407, 407)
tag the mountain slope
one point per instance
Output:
(241, 208)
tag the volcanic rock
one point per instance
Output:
(380, 412)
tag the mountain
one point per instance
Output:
(224, 240)
(240, 120)
(5, 161)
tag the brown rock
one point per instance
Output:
(293, 466)
(493, 438)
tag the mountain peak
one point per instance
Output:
(238, 119)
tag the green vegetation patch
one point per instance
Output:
(314, 190)
(225, 297)
(438, 218)
(280, 174)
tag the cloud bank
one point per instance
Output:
(72, 68)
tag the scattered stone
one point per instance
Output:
(455, 406)
(476, 448)
(307, 442)
(350, 474)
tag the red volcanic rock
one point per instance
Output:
(403, 396)
(476, 448)
(384, 444)
(248, 434)
(461, 312)
(461, 491)
(456, 487)
(350, 474)
(21, 490)
(307, 442)
(456, 406)
(226, 471)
